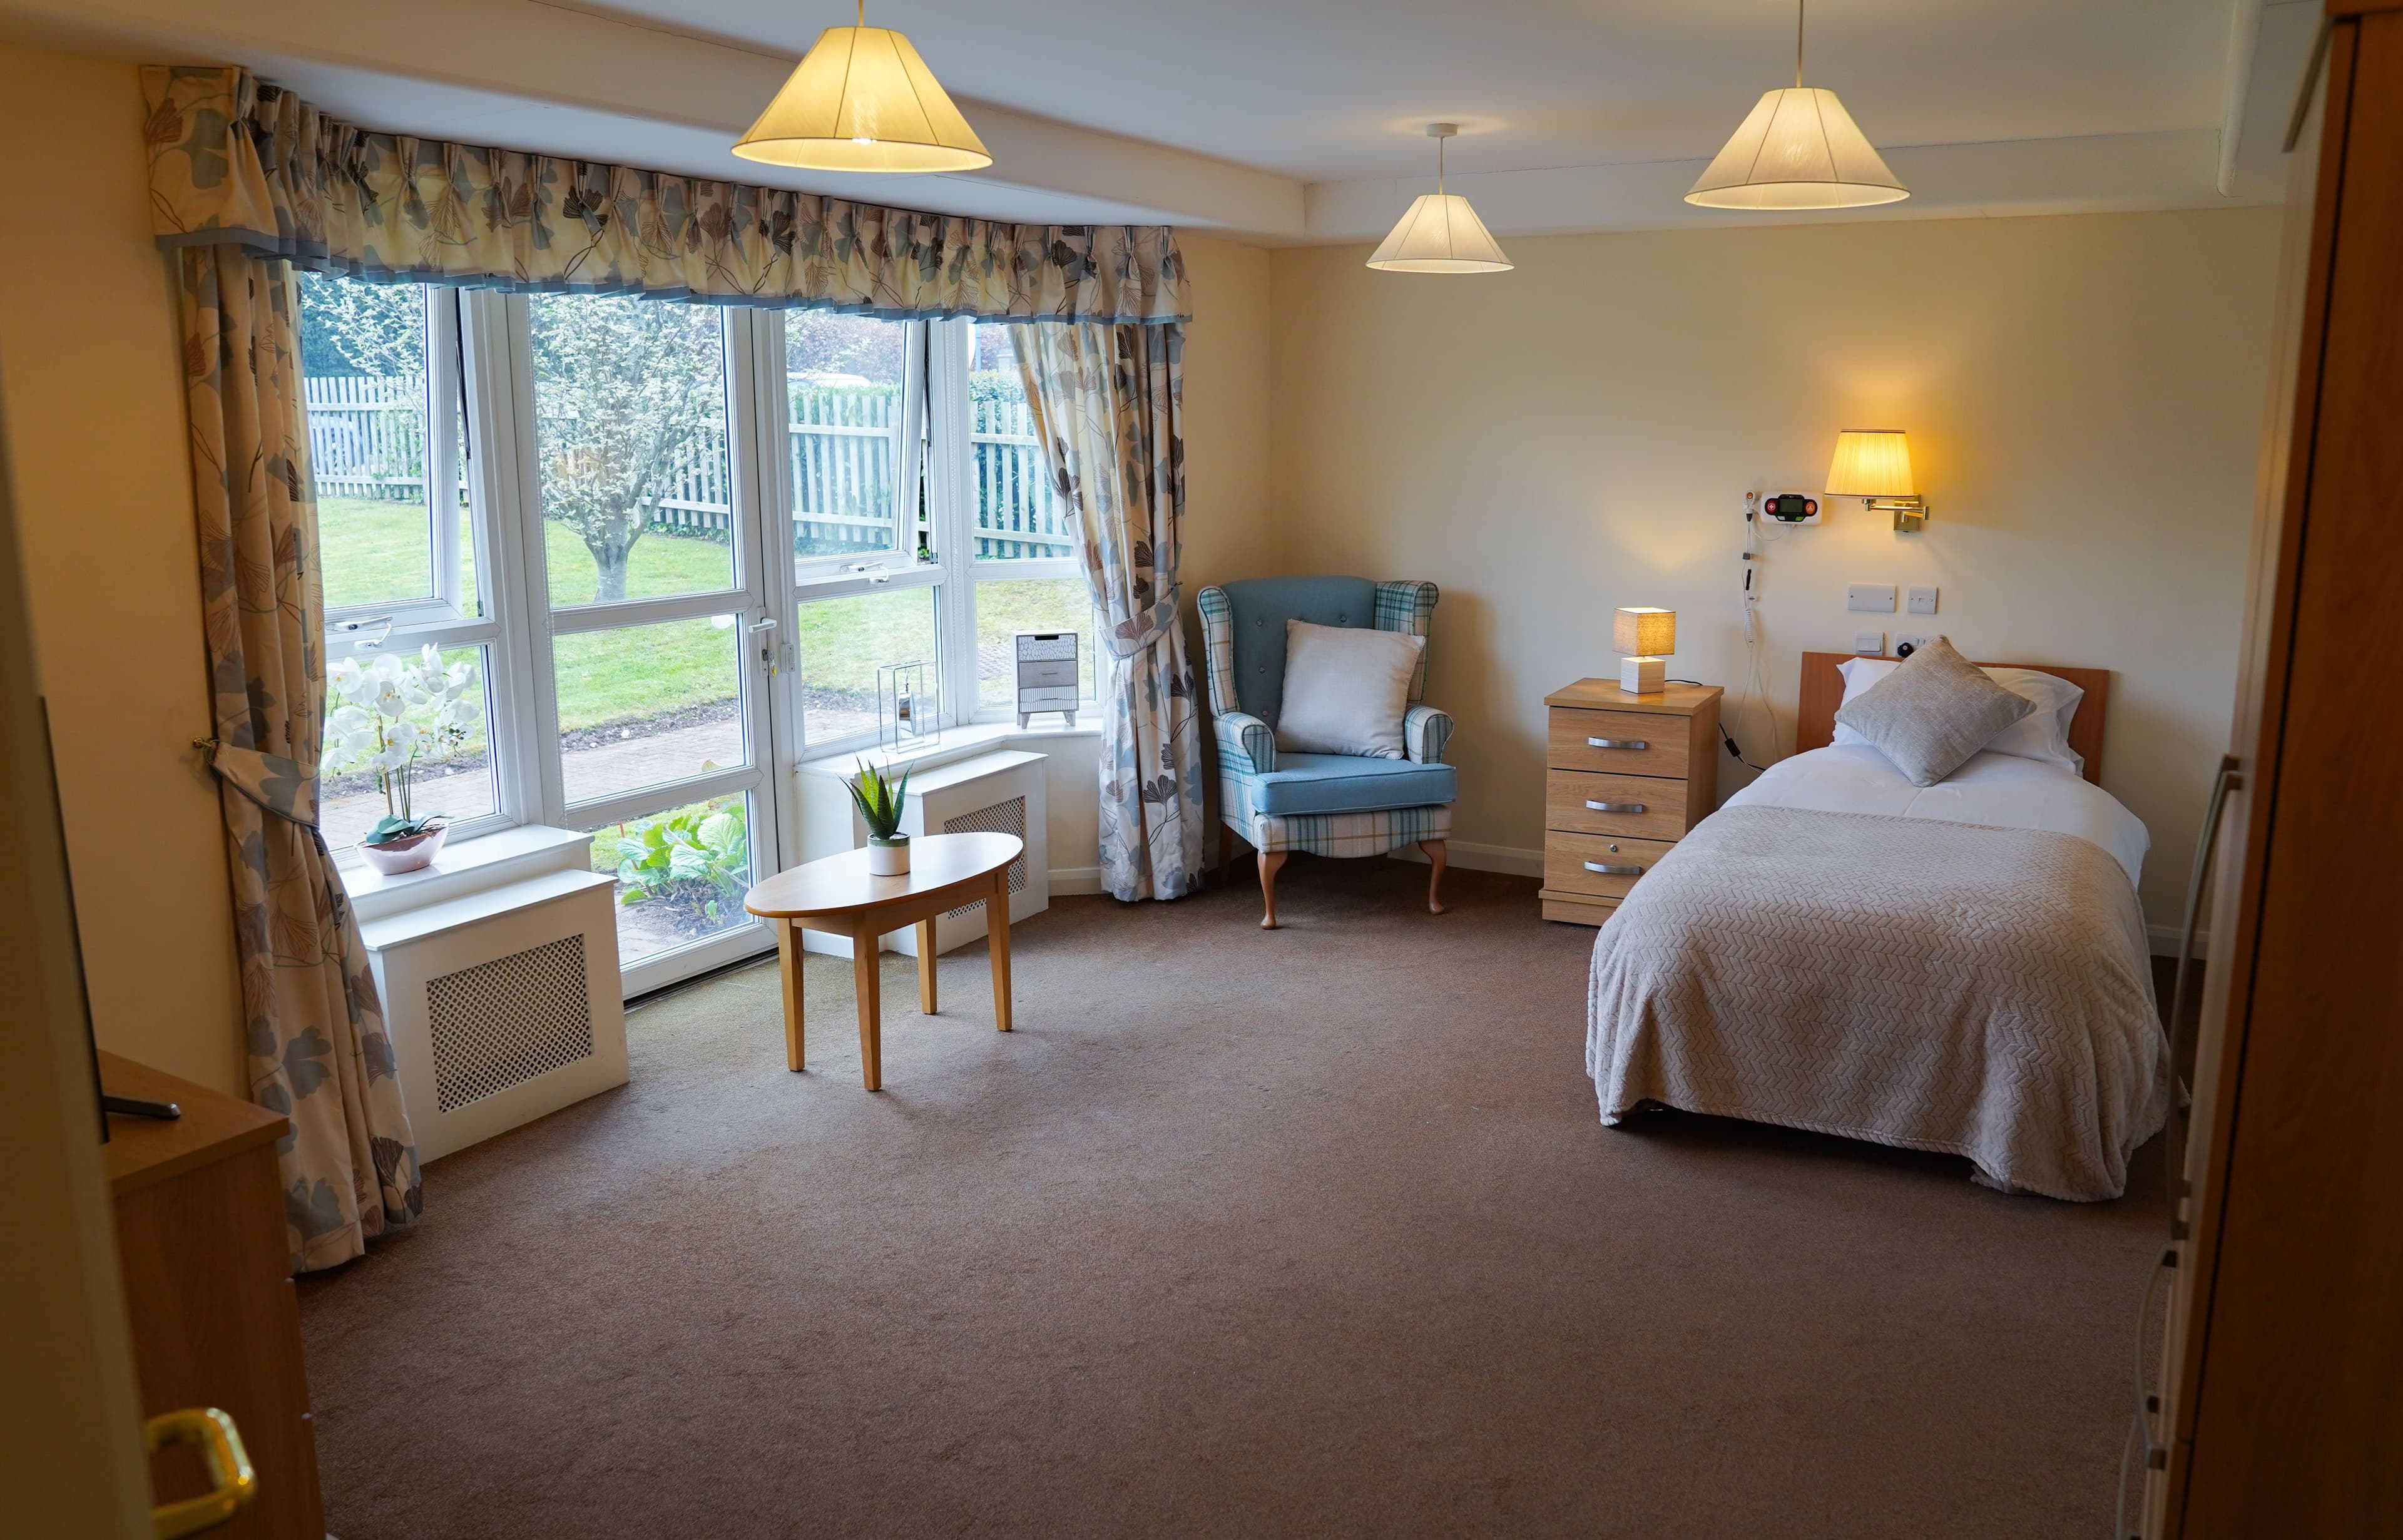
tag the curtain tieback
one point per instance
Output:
(1131, 636)
(275, 783)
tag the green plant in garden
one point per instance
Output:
(695, 860)
(879, 801)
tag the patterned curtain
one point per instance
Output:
(1108, 403)
(318, 1051)
(235, 160)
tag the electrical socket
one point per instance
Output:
(1869, 643)
(1870, 598)
(1922, 601)
(1914, 643)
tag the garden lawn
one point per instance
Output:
(376, 553)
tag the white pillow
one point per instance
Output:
(2042, 735)
(1345, 689)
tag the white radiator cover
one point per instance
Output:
(503, 1004)
(999, 793)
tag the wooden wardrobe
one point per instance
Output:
(2280, 1407)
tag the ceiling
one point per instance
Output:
(1285, 121)
(1324, 90)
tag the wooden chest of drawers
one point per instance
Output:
(1626, 776)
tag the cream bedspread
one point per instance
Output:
(1952, 987)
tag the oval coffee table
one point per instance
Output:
(837, 895)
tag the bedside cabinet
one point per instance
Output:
(1626, 776)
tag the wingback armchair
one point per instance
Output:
(1324, 804)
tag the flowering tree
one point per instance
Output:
(622, 389)
(394, 712)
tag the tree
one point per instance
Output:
(348, 326)
(622, 388)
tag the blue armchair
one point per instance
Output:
(1326, 804)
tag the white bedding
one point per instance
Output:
(1997, 790)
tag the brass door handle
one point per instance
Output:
(232, 1480)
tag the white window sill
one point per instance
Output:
(960, 743)
(471, 866)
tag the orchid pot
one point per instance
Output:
(405, 853)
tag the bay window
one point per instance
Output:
(672, 544)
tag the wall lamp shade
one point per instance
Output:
(1874, 465)
(1646, 636)
(1799, 150)
(1440, 234)
(862, 100)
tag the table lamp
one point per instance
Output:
(1646, 636)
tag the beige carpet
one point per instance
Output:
(1305, 1233)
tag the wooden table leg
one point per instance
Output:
(788, 963)
(997, 931)
(864, 960)
(926, 967)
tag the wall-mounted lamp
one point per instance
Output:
(1874, 465)
(1647, 635)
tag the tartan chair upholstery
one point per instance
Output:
(1337, 805)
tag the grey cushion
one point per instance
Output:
(1933, 712)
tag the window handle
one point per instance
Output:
(758, 626)
(875, 571)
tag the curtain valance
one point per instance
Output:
(235, 161)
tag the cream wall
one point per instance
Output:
(95, 419)
(2083, 395)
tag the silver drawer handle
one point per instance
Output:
(1614, 807)
(1608, 871)
(1617, 744)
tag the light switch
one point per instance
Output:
(1922, 601)
(1870, 598)
(1869, 643)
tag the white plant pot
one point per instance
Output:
(888, 859)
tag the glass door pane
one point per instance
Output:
(631, 440)
(844, 382)
(649, 705)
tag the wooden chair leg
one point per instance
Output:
(1270, 861)
(1434, 853)
(926, 967)
(865, 979)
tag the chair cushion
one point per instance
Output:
(1340, 782)
(1345, 689)
(1262, 606)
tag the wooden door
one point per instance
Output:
(2286, 1370)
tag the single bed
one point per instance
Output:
(1960, 968)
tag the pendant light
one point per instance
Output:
(1799, 150)
(1440, 234)
(862, 100)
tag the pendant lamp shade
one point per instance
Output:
(1440, 234)
(1799, 150)
(862, 100)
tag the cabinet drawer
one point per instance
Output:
(1649, 807)
(1566, 858)
(1608, 740)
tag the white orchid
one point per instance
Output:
(396, 713)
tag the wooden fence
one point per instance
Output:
(366, 439)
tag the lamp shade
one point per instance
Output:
(1799, 150)
(862, 100)
(1440, 234)
(1644, 633)
(1871, 463)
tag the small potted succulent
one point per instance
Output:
(879, 802)
(395, 712)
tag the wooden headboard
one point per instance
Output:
(1823, 691)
